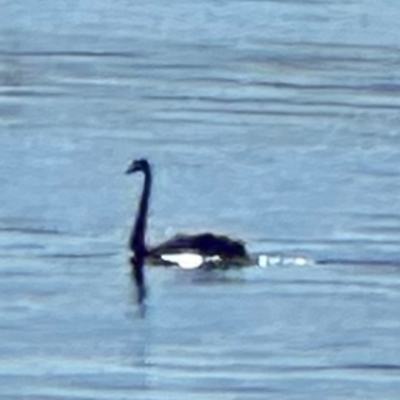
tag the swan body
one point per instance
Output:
(202, 249)
(205, 244)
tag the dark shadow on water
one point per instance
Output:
(137, 275)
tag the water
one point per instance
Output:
(275, 122)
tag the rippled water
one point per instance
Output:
(275, 122)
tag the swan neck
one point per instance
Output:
(138, 243)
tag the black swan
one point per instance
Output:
(212, 250)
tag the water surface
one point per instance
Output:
(274, 122)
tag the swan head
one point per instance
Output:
(138, 165)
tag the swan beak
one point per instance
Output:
(131, 169)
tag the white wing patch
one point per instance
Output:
(189, 260)
(184, 260)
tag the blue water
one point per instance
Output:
(276, 122)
